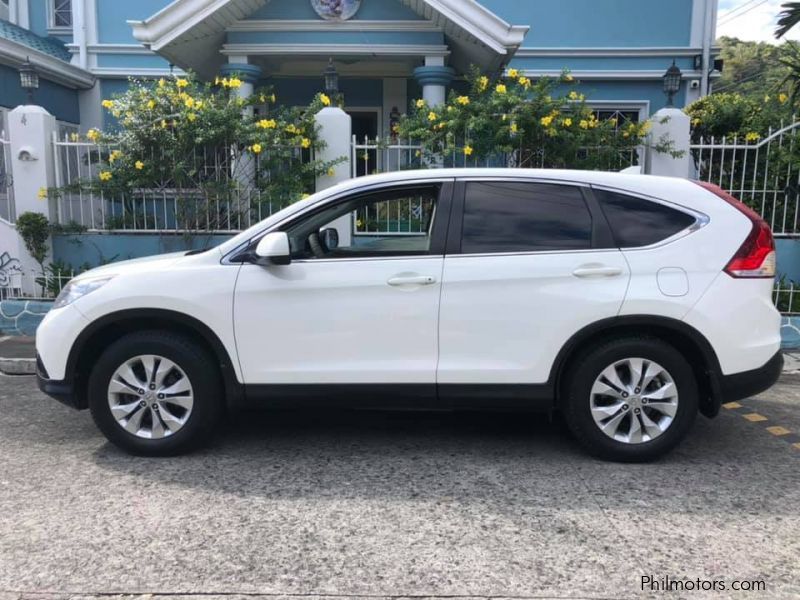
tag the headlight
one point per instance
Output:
(78, 288)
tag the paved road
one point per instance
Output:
(394, 505)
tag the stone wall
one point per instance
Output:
(22, 317)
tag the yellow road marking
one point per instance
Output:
(732, 405)
(755, 417)
(778, 430)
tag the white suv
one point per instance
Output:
(629, 303)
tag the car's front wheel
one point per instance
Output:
(630, 399)
(155, 393)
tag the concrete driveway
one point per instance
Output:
(395, 505)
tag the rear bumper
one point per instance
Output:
(749, 383)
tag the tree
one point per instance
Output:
(34, 229)
(788, 18)
(752, 69)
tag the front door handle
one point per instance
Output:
(588, 271)
(411, 280)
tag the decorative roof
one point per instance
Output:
(50, 46)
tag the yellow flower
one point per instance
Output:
(483, 83)
(115, 155)
(189, 102)
(546, 121)
(468, 150)
(235, 83)
(325, 99)
(584, 124)
(567, 122)
(432, 116)
(645, 127)
(306, 143)
(569, 77)
(181, 83)
(267, 124)
(514, 128)
(256, 148)
(331, 172)
(108, 104)
(782, 98)
(198, 104)
(573, 95)
(420, 103)
(93, 135)
(272, 98)
(139, 165)
(626, 135)
(463, 100)
(766, 98)
(192, 117)
(513, 73)
(161, 83)
(105, 176)
(151, 104)
(291, 128)
(501, 88)
(525, 82)
(163, 124)
(42, 195)
(696, 122)
(74, 137)
(752, 137)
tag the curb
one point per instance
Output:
(18, 366)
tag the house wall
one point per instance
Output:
(59, 101)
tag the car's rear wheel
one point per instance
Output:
(630, 399)
(155, 393)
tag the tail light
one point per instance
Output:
(755, 258)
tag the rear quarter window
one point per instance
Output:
(636, 222)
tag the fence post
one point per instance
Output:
(674, 125)
(336, 133)
(30, 130)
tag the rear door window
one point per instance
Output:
(636, 222)
(524, 217)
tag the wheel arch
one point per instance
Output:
(684, 338)
(95, 338)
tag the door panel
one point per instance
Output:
(504, 318)
(339, 321)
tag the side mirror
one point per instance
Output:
(329, 238)
(273, 249)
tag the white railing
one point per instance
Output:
(32, 285)
(7, 205)
(763, 173)
(368, 157)
(236, 205)
(786, 297)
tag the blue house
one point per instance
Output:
(387, 52)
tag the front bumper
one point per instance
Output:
(749, 383)
(62, 391)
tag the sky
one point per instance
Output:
(751, 20)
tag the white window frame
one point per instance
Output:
(51, 17)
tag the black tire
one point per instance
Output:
(587, 367)
(202, 372)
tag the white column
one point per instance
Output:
(670, 124)
(336, 132)
(434, 78)
(30, 130)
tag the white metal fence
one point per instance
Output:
(763, 173)
(228, 202)
(32, 285)
(7, 205)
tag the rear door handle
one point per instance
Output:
(412, 280)
(596, 271)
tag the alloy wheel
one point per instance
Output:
(634, 400)
(150, 397)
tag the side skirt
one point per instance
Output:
(388, 396)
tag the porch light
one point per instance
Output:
(28, 79)
(672, 83)
(331, 80)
